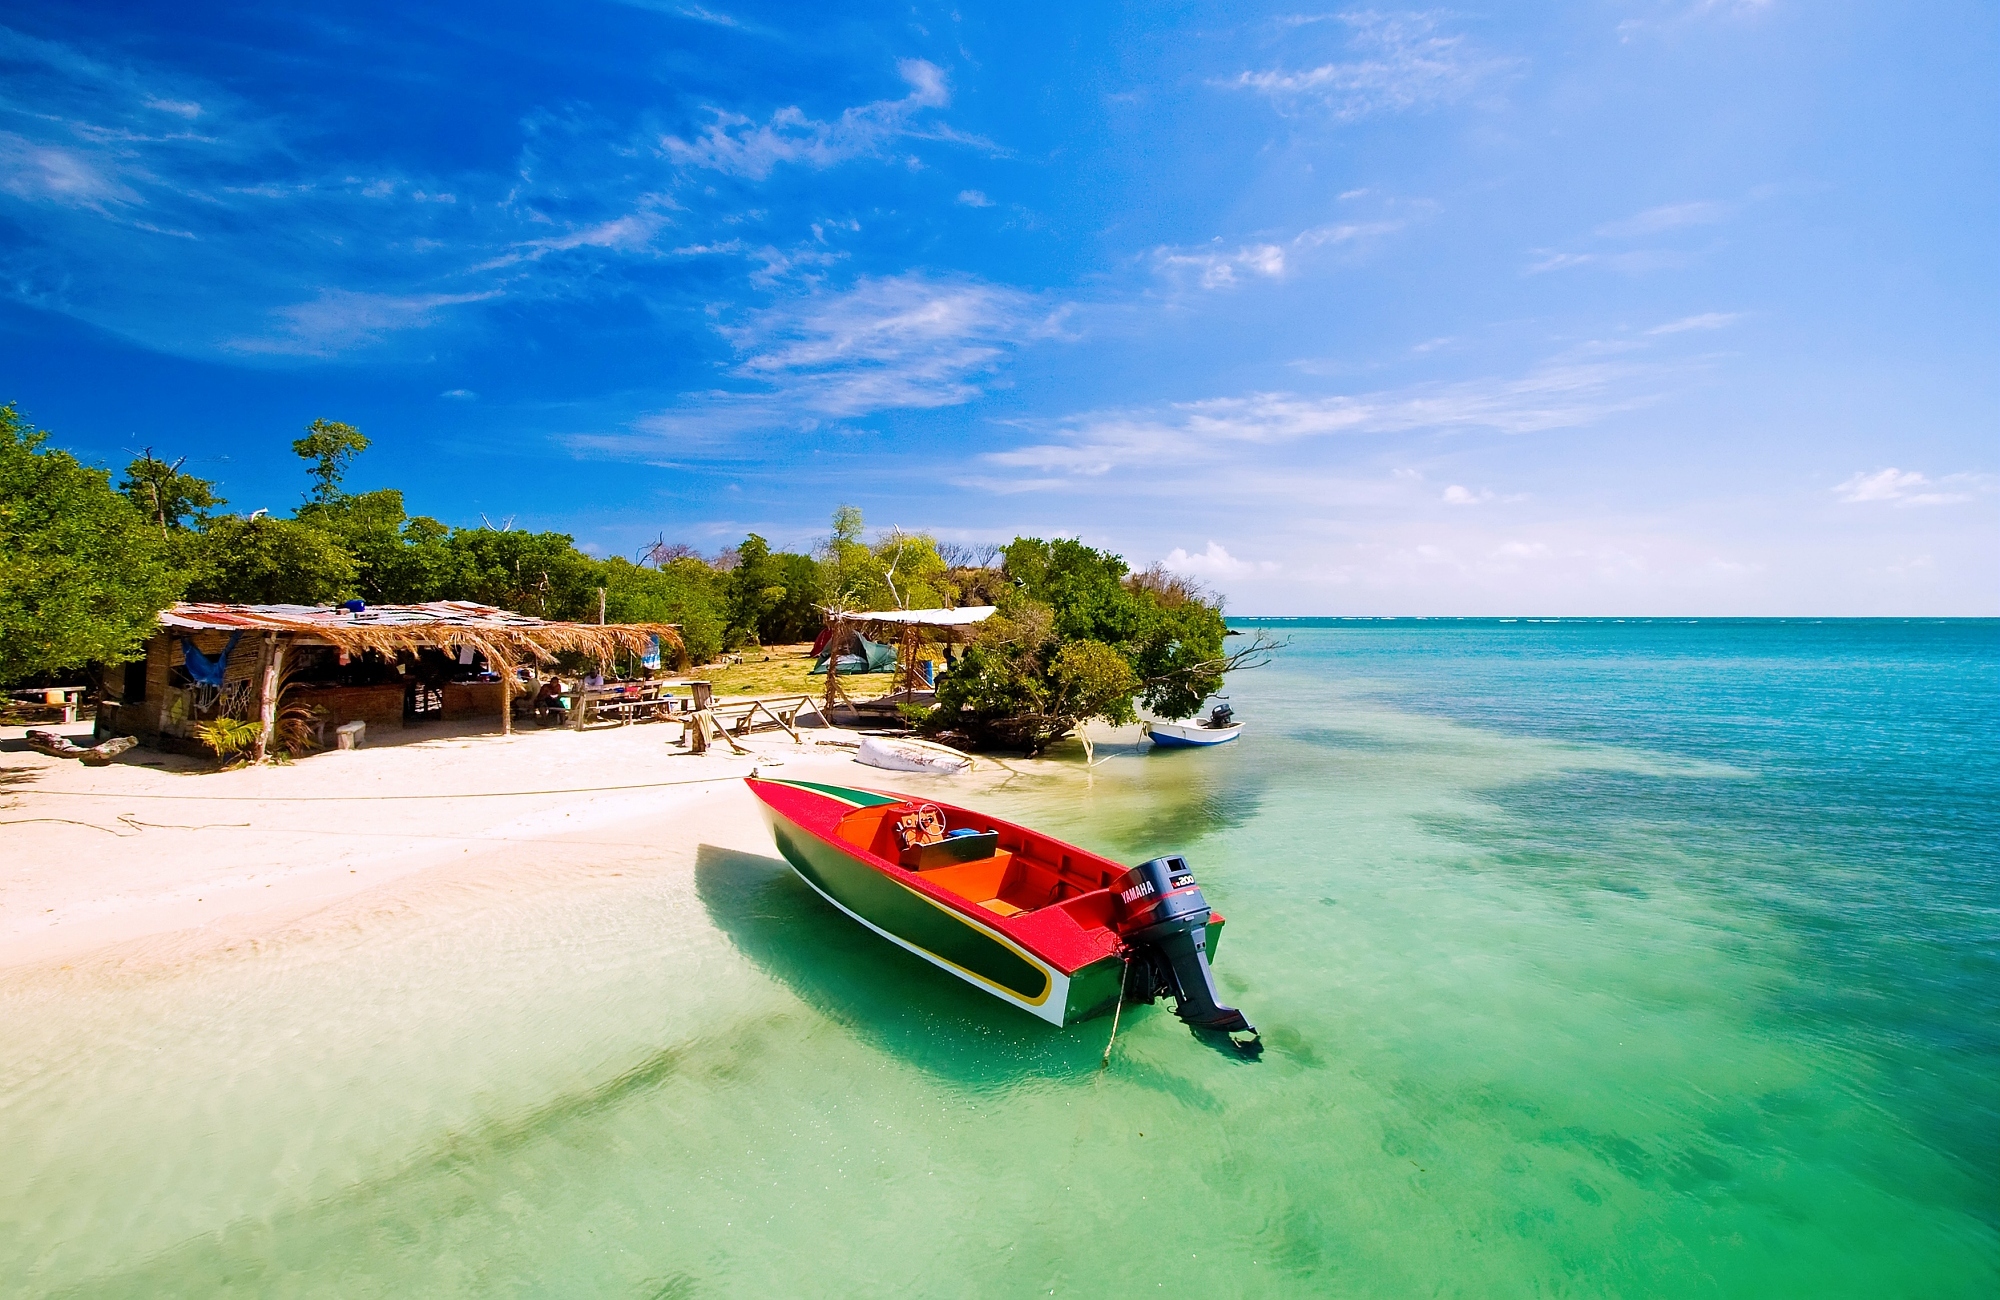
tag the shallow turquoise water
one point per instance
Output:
(1594, 958)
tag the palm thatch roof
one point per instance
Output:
(501, 635)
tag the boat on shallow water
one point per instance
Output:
(1218, 728)
(1052, 929)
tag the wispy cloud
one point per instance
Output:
(1220, 268)
(710, 16)
(339, 320)
(740, 146)
(1708, 320)
(1397, 62)
(307, 255)
(903, 342)
(1215, 266)
(1656, 225)
(1907, 488)
(1636, 262)
(48, 173)
(1671, 216)
(974, 199)
(1566, 393)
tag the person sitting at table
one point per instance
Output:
(595, 681)
(549, 698)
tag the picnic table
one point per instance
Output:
(623, 702)
(64, 699)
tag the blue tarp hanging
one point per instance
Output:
(204, 670)
(651, 659)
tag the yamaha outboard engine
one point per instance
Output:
(1164, 920)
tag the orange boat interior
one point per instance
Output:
(1021, 872)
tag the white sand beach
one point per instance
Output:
(160, 854)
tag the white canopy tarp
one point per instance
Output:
(925, 617)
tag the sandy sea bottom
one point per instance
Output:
(1592, 959)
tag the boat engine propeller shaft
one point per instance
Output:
(1163, 920)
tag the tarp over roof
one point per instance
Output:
(498, 634)
(926, 617)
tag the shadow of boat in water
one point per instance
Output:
(896, 1001)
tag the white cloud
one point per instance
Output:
(1219, 269)
(1215, 267)
(702, 15)
(1904, 488)
(339, 320)
(1708, 320)
(53, 174)
(1403, 61)
(1636, 262)
(739, 146)
(1215, 562)
(894, 343)
(1177, 441)
(974, 199)
(1460, 495)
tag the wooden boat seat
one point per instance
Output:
(983, 882)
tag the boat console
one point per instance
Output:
(1163, 917)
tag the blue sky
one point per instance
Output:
(1642, 307)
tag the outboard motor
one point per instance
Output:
(1222, 716)
(1163, 918)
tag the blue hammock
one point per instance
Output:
(204, 670)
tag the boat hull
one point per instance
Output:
(1187, 735)
(945, 937)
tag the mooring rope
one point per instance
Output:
(1123, 974)
(362, 798)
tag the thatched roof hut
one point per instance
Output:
(451, 658)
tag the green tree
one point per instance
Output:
(683, 591)
(171, 499)
(83, 575)
(398, 559)
(1076, 638)
(795, 616)
(850, 575)
(535, 573)
(912, 570)
(755, 587)
(331, 447)
(265, 561)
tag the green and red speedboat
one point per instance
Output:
(1055, 930)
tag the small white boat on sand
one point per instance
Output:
(1218, 728)
(901, 754)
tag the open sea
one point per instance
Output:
(1593, 957)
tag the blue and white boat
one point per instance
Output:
(1218, 728)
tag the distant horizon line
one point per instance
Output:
(1611, 618)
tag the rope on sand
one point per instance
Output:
(359, 798)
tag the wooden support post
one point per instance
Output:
(834, 630)
(505, 672)
(269, 663)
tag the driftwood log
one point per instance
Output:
(48, 742)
